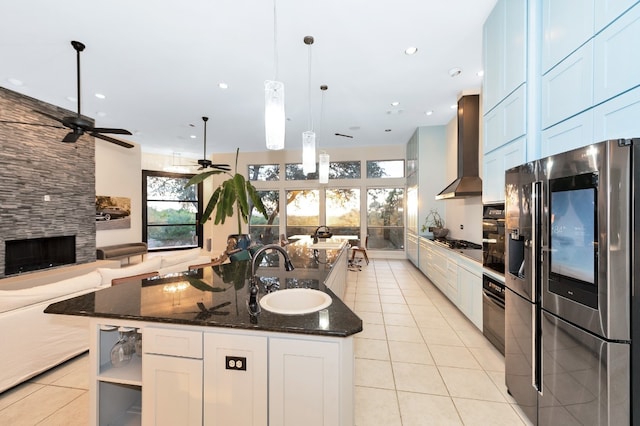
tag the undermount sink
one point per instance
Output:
(295, 301)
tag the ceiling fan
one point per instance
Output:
(204, 163)
(76, 123)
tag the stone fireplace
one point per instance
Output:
(48, 187)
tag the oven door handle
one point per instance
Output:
(494, 299)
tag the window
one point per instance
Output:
(337, 170)
(385, 218)
(385, 169)
(171, 211)
(261, 230)
(264, 172)
(342, 211)
(344, 170)
(294, 171)
(303, 211)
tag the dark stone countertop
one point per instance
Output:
(218, 297)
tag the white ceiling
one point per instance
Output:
(159, 63)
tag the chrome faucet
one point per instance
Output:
(253, 289)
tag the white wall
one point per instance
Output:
(464, 211)
(118, 173)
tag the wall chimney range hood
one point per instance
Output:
(468, 182)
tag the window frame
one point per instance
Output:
(199, 194)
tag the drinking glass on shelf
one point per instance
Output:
(124, 348)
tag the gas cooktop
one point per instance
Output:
(458, 244)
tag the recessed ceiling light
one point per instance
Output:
(429, 112)
(410, 50)
(454, 106)
(192, 136)
(100, 96)
(15, 81)
(71, 99)
(480, 73)
(223, 85)
(454, 72)
(395, 103)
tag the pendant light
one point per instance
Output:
(309, 137)
(323, 158)
(274, 117)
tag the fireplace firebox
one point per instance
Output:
(39, 253)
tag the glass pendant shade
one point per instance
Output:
(274, 118)
(323, 173)
(308, 152)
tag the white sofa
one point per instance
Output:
(32, 341)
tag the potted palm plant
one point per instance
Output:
(231, 197)
(434, 224)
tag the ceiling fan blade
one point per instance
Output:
(113, 131)
(72, 137)
(112, 140)
(53, 117)
(224, 167)
(32, 124)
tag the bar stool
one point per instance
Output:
(356, 249)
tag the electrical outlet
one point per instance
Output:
(236, 363)
(461, 226)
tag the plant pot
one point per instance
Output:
(439, 232)
(238, 242)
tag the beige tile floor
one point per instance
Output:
(419, 361)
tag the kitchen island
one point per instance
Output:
(205, 358)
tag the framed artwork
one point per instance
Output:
(112, 212)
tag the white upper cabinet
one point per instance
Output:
(618, 118)
(568, 88)
(608, 10)
(566, 25)
(505, 41)
(507, 121)
(504, 51)
(616, 64)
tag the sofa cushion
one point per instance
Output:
(181, 257)
(13, 299)
(149, 265)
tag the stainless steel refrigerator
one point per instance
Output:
(571, 316)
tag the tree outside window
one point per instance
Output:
(385, 218)
(171, 211)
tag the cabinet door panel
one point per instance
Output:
(515, 114)
(568, 88)
(494, 165)
(615, 66)
(235, 396)
(493, 56)
(573, 133)
(515, 61)
(172, 392)
(618, 118)
(304, 386)
(566, 25)
(608, 10)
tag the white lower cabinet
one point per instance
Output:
(172, 393)
(310, 382)
(458, 277)
(172, 369)
(470, 290)
(192, 376)
(235, 380)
